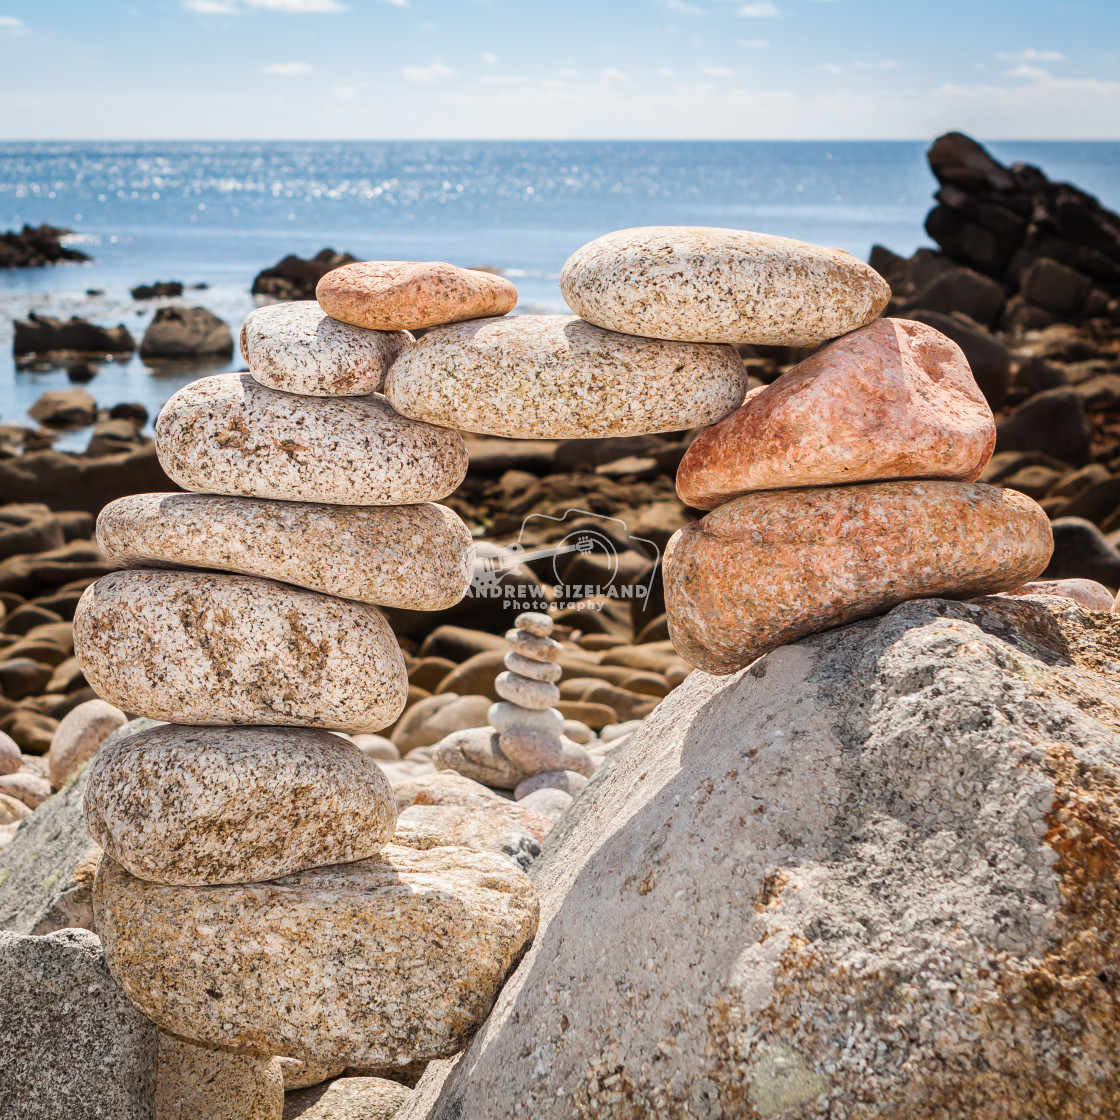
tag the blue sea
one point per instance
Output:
(217, 213)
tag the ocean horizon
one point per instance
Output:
(216, 213)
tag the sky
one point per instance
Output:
(558, 69)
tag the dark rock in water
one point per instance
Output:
(869, 876)
(185, 332)
(129, 411)
(112, 437)
(1055, 288)
(1081, 552)
(71, 1045)
(80, 372)
(158, 289)
(34, 246)
(64, 408)
(295, 278)
(39, 334)
(64, 481)
(987, 356)
(958, 159)
(1052, 422)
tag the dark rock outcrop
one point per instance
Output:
(40, 334)
(295, 278)
(186, 332)
(34, 246)
(158, 289)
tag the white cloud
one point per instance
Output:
(717, 71)
(1032, 73)
(399, 3)
(754, 44)
(1031, 55)
(297, 5)
(489, 58)
(612, 76)
(345, 93)
(683, 8)
(9, 25)
(665, 72)
(287, 69)
(762, 9)
(889, 64)
(830, 68)
(426, 75)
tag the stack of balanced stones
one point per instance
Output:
(524, 747)
(251, 896)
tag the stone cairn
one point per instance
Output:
(257, 891)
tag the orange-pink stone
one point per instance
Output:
(1085, 593)
(769, 568)
(895, 399)
(408, 295)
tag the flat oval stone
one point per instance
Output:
(406, 295)
(1086, 593)
(375, 963)
(474, 752)
(557, 377)
(525, 691)
(198, 647)
(771, 567)
(198, 805)
(534, 670)
(228, 435)
(893, 400)
(503, 716)
(702, 284)
(298, 348)
(535, 751)
(534, 622)
(420, 557)
(533, 646)
(566, 781)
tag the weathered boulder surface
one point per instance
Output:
(872, 876)
(376, 963)
(348, 1098)
(71, 1045)
(204, 1083)
(185, 332)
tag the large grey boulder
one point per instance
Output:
(71, 1045)
(872, 875)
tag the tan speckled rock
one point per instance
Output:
(475, 754)
(13, 810)
(893, 400)
(83, 729)
(203, 1083)
(374, 963)
(557, 377)
(298, 348)
(771, 567)
(407, 295)
(720, 285)
(299, 1074)
(195, 647)
(199, 805)
(420, 557)
(228, 435)
(349, 1098)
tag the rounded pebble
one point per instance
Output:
(535, 751)
(504, 716)
(566, 780)
(418, 557)
(228, 435)
(298, 348)
(534, 622)
(83, 729)
(526, 692)
(534, 670)
(532, 647)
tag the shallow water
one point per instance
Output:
(218, 213)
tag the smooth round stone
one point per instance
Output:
(503, 716)
(566, 780)
(420, 557)
(197, 647)
(197, 805)
(83, 729)
(721, 285)
(533, 647)
(228, 435)
(298, 348)
(476, 754)
(204, 1083)
(375, 963)
(407, 295)
(534, 670)
(1085, 593)
(534, 751)
(12, 809)
(11, 758)
(557, 377)
(774, 566)
(526, 692)
(377, 746)
(894, 400)
(298, 1074)
(550, 801)
(578, 732)
(534, 622)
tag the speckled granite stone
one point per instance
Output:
(720, 285)
(196, 1082)
(374, 963)
(774, 566)
(228, 435)
(557, 377)
(419, 557)
(348, 1098)
(533, 646)
(299, 1074)
(406, 295)
(893, 400)
(195, 647)
(297, 347)
(475, 754)
(212, 805)
(1087, 593)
